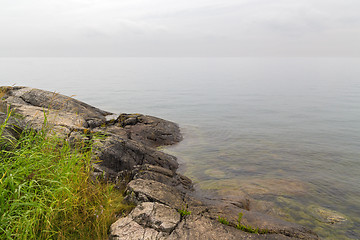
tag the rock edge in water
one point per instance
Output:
(167, 206)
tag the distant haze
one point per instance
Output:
(173, 28)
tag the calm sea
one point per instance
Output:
(282, 131)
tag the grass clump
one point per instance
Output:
(184, 211)
(249, 229)
(45, 191)
(223, 220)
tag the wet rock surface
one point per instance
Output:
(149, 130)
(125, 153)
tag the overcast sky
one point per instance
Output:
(179, 28)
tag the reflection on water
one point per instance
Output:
(284, 132)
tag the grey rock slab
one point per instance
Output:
(158, 177)
(35, 117)
(127, 229)
(16, 100)
(276, 225)
(259, 220)
(140, 190)
(56, 101)
(163, 175)
(149, 130)
(118, 131)
(122, 154)
(157, 169)
(156, 215)
(202, 228)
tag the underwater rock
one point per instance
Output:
(327, 215)
(215, 173)
(256, 186)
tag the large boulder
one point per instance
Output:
(148, 130)
(120, 154)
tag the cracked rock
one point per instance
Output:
(156, 215)
(154, 191)
(127, 229)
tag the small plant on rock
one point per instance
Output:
(249, 229)
(184, 211)
(223, 220)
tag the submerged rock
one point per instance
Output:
(327, 215)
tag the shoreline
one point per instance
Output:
(167, 205)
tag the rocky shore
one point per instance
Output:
(167, 206)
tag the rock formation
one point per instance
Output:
(167, 207)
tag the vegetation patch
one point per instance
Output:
(242, 227)
(223, 220)
(46, 191)
(184, 211)
(249, 229)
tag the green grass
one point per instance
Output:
(223, 220)
(249, 229)
(184, 211)
(242, 227)
(46, 193)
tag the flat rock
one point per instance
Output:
(147, 221)
(156, 215)
(165, 176)
(120, 154)
(35, 117)
(258, 220)
(202, 228)
(140, 190)
(55, 101)
(127, 229)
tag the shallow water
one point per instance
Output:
(285, 132)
